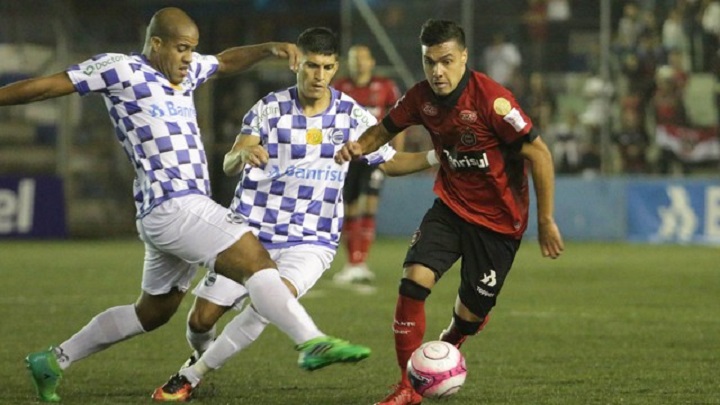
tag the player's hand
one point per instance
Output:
(350, 151)
(551, 243)
(255, 155)
(289, 51)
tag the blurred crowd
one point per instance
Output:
(655, 122)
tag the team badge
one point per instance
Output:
(468, 138)
(502, 106)
(337, 137)
(468, 116)
(313, 136)
(429, 109)
(210, 279)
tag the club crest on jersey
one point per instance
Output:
(468, 116)
(429, 109)
(337, 137)
(313, 136)
(468, 138)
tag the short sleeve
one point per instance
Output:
(101, 72)
(405, 112)
(252, 122)
(363, 119)
(203, 67)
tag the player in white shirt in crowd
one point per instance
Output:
(290, 192)
(149, 98)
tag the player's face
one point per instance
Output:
(360, 61)
(315, 74)
(444, 66)
(172, 56)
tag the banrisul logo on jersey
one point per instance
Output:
(467, 161)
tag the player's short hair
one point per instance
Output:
(435, 32)
(319, 40)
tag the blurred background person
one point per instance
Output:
(363, 183)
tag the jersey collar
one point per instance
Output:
(451, 99)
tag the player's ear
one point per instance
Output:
(464, 56)
(156, 43)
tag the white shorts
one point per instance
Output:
(180, 234)
(301, 265)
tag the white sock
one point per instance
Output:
(238, 334)
(200, 341)
(272, 299)
(105, 329)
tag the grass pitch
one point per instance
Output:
(604, 324)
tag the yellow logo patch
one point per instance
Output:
(313, 136)
(502, 106)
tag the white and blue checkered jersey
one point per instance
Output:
(155, 122)
(297, 197)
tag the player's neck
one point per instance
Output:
(314, 106)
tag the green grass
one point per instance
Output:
(605, 324)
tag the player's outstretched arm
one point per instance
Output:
(543, 174)
(237, 59)
(409, 162)
(36, 89)
(372, 139)
(246, 149)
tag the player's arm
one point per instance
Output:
(370, 141)
(403, 163)
(543, 174)
(36, 89)
(237, 59)
(245, 150)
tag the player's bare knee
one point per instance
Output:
(421, 275)
(204, 315)
(154, 311)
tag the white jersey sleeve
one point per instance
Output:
(364, 121)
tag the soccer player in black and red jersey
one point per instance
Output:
(484, 140)
(363, 182)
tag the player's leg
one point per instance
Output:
(355, 225)
(214, 296)
(434, 249)
(165, 280)
(487, 257)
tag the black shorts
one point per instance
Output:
(362, 179)
(444, 237)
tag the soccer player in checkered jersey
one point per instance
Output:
(484, 140)
(149, 98)
(363, 183)
(290, 192)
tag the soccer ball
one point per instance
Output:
(436, 370)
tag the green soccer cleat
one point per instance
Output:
(45, 373)
(326, 350)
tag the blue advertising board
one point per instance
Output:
(32, 207)
(674, 211)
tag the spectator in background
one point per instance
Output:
(668, 109)
(363, 183)
(566, 137)
(674, 37)
(541, 102)
(630, 26)
(502, 59)
(710, 21)
(535, 19)
(632, 143)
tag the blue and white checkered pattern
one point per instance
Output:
(297, 197)
(155, 122)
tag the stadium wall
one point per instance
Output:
(622, 208)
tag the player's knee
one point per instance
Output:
(468, 328)
(153, 311)
(201, 322)
(411, 289)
